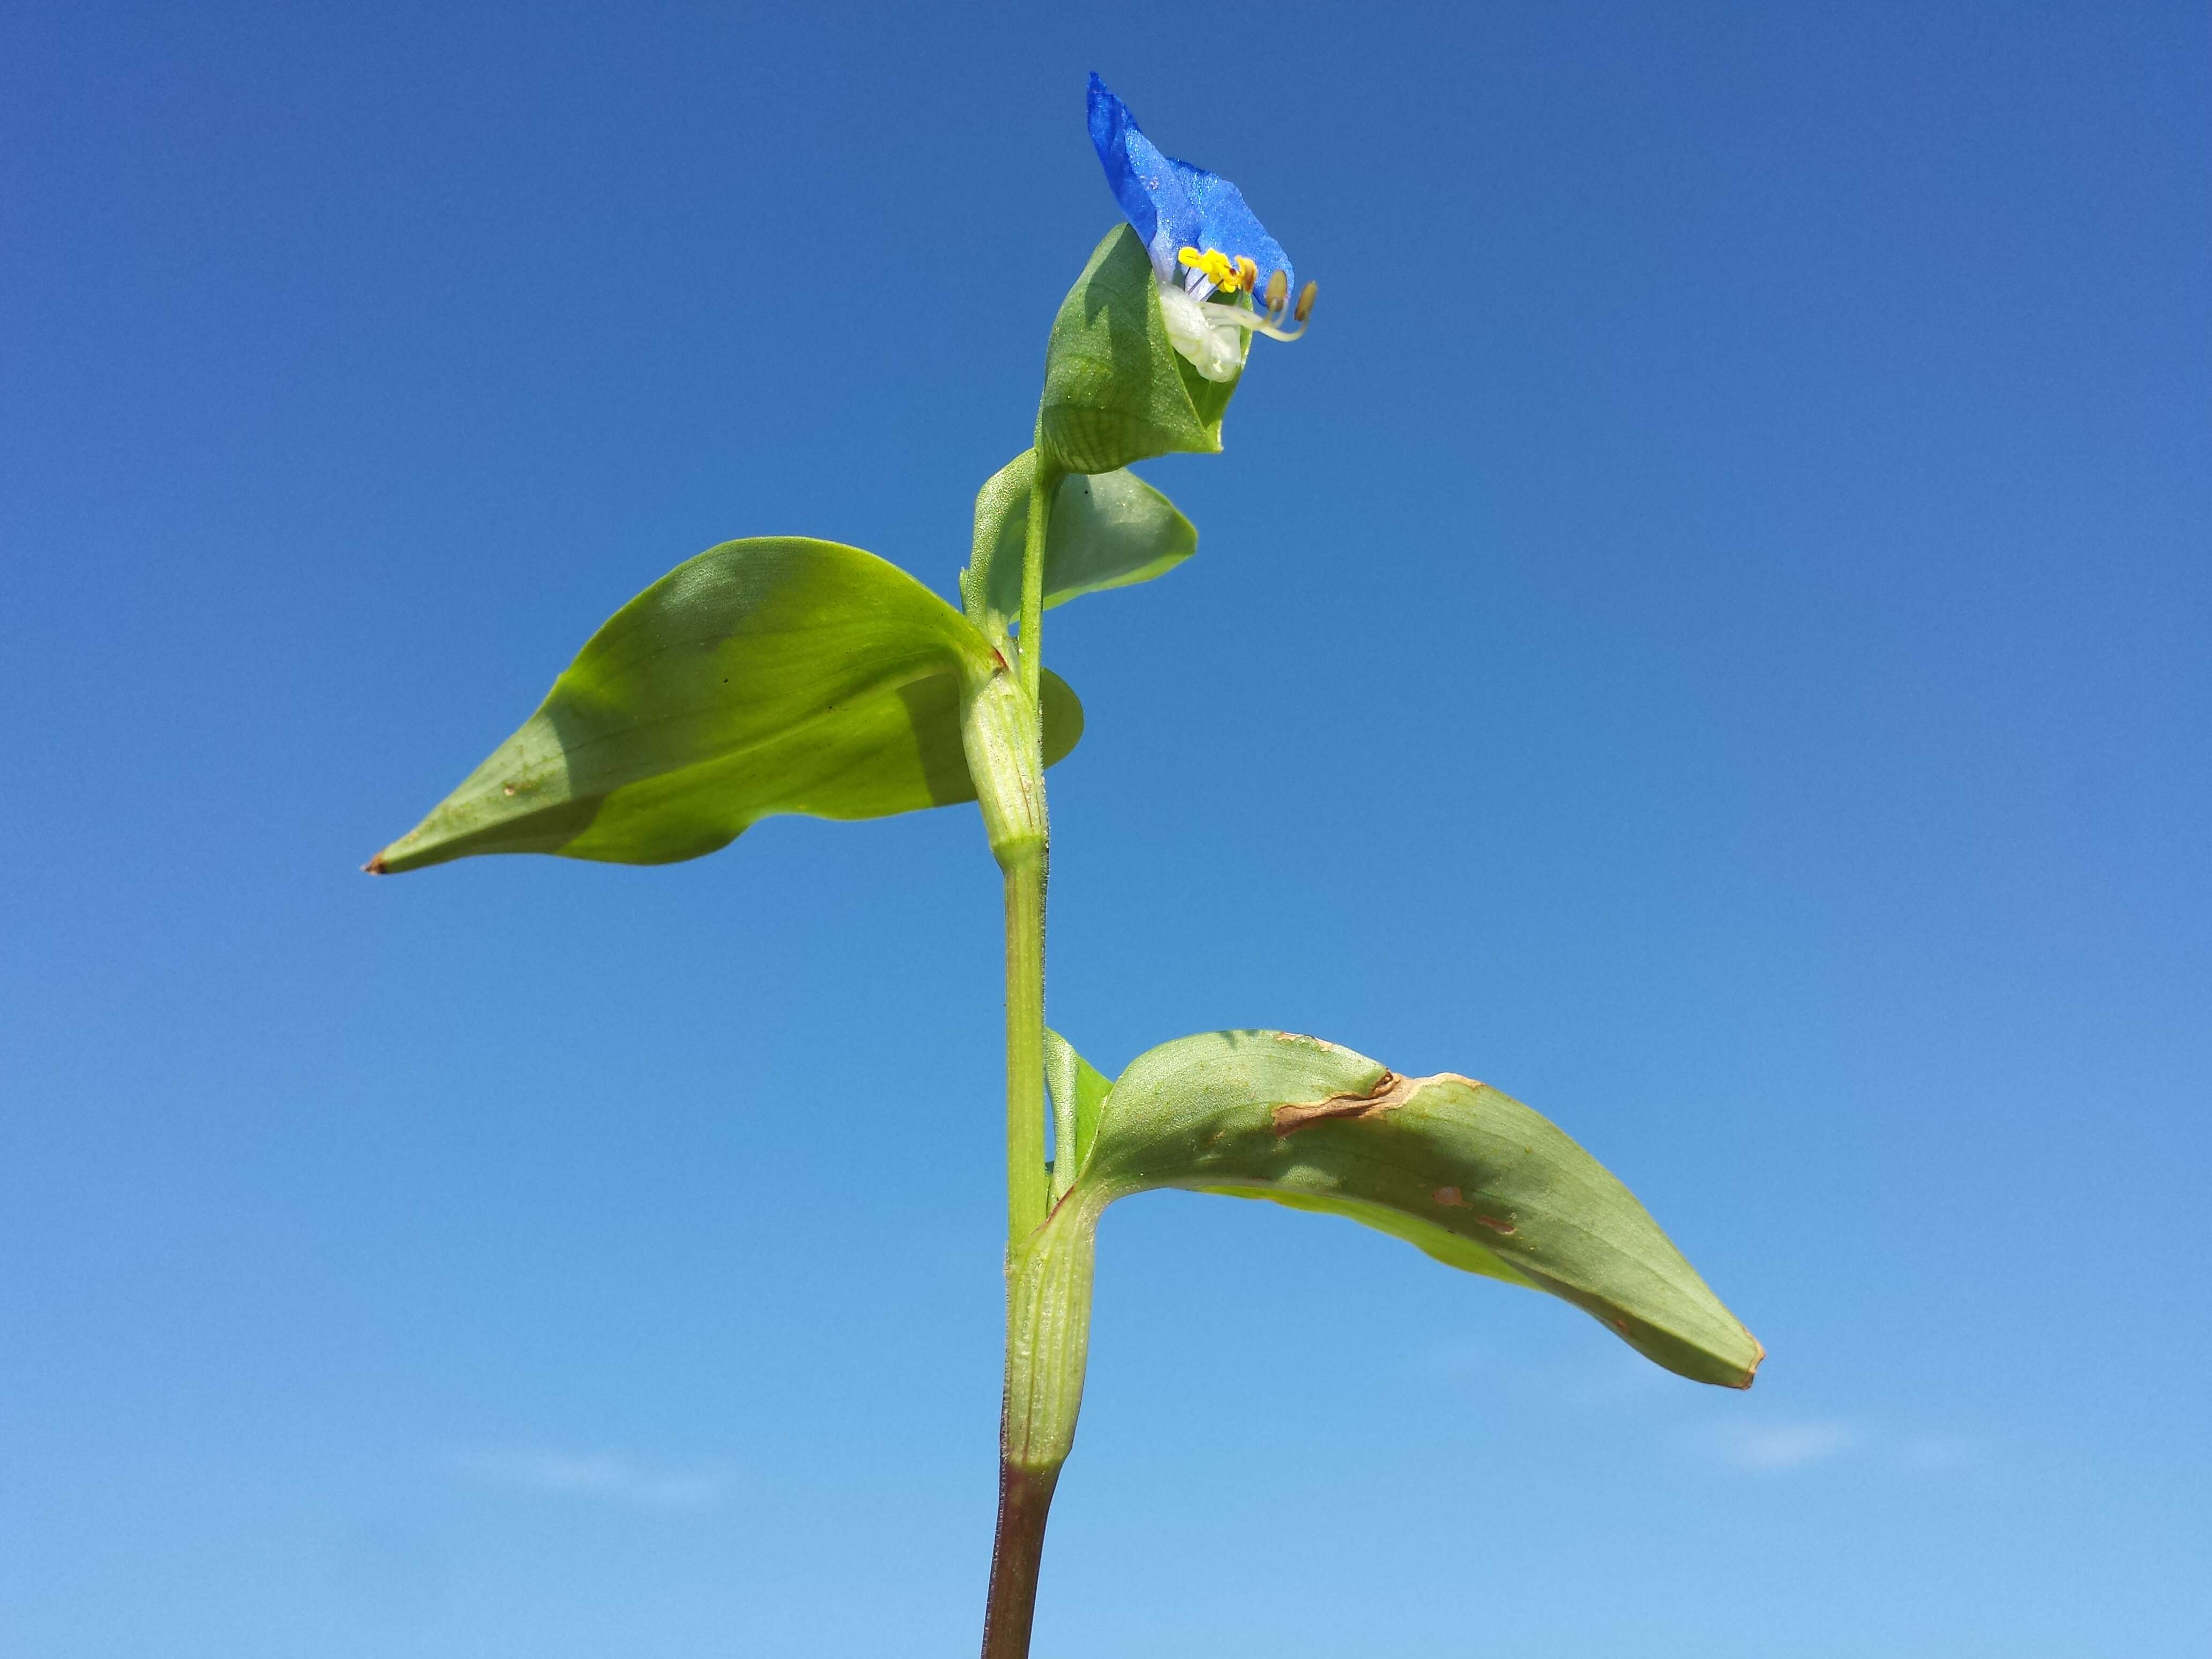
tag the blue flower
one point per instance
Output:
(1205, 246)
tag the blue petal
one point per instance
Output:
(1143, 181)
(1225, 223)
(1172, 205)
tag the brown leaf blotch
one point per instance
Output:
(1390, 1092)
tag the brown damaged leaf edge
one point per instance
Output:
(375, 865)
(1390, 1092)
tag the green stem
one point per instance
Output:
(1029, 1190)
(1024, 1485)
(1044, 484)
(1025, 1493)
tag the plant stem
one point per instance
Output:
(1044, 484)
(1028, 1189)
(1024, 1494)
(1025, 1500)
(1024, 1491)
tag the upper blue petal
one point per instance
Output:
(1226, 223)
(1172, 205)
(1143, 180)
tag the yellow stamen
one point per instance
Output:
(1247, 273)
(1305, 302)
(1213, 264)
(1278, 290)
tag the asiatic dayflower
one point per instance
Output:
(1208, 252)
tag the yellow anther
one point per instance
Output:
(1247, 273)
(1305, 302)
(1278, 290)
(1213, 263)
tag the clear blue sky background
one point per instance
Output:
(1708, 633)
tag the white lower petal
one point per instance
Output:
(1214, 349)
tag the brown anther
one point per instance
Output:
(1279, 289)
(1305, 302)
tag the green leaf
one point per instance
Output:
(778, 674)
(1115, 389)
(1107, 530)
(1452, 1166)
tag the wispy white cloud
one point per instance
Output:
(1642, 1400)
(597, 1476)
(1774, 1448)
(1557, 1373)
(1936, 1451)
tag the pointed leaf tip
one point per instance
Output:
(1751, 1371)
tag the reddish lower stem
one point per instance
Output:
(1025, 1500)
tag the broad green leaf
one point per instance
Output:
(1106, 531)
(1469, 1175)
(1116, 390)
(778, 674)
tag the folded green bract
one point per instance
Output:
(1114, 389)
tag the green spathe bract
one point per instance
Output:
(779, 674)
(782, 674)
(1116, 391)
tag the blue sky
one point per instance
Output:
(1708, 633)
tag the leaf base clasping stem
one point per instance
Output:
(1047, 1345)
